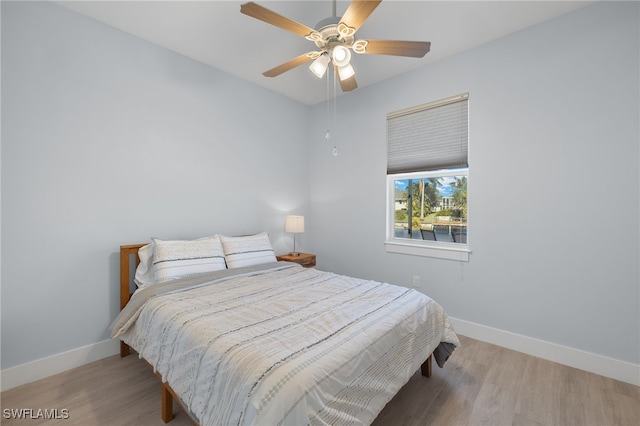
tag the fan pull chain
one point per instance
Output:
(335, 148)
(331, 123)
(327, 135)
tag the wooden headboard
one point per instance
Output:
(126, 253)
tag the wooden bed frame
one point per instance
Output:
(167, 394)
(126, 285)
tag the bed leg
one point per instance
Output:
(425, 368)
(167, 404)
(124, 349)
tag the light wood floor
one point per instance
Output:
(480, 384)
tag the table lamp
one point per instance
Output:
(295, 225)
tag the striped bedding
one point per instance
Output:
(281, 344)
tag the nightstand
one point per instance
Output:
(305, 259)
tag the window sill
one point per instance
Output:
(441, 251)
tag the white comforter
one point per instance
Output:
(283, 344)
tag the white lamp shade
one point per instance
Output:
(294, 224)
(319, 66)
(341, 56)
(346, 72)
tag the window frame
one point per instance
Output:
(438, 249)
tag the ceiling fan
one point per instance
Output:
(335, 36)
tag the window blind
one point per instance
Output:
(428, 137)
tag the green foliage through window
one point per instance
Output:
(434, 204)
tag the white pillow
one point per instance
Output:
(179, 258)
(144, 272)
(247, 251)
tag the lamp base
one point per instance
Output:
(294, 253)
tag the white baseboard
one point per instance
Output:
(587, 361)
(45, 367)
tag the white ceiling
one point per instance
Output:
(217, 34)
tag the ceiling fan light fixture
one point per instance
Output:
(341, 56)
(335, 38)
(319, 66)
(346, 72)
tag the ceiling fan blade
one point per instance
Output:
(348, 84)
(358, 12)
(282, 68)
(415, 49)
(256, 11)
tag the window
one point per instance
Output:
(427, 176)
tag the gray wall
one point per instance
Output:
(553, 189)
(109, 140)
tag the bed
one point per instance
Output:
(246, 339)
